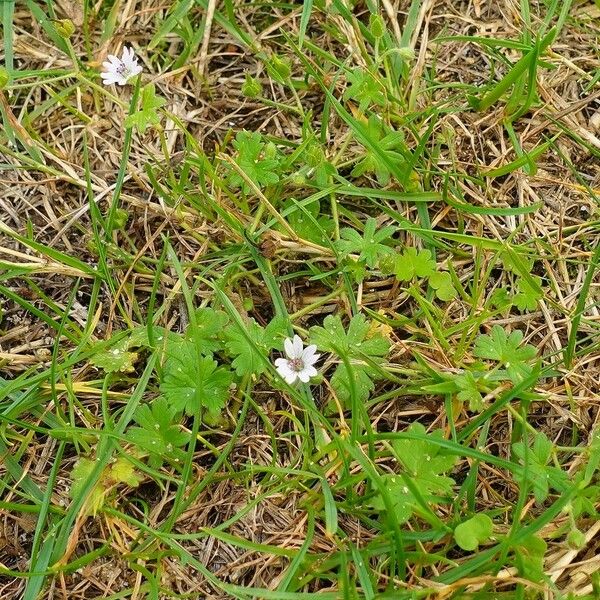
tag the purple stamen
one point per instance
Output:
(296, 364)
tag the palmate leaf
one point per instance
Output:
(388, 142)
(426, 465)
(208, 329)
(148, 114)
(159, 433)
(116, 359)
(371, 246)
(358, 343)
(122, 471)
(194, 383)
(528, 296)
(304, 225)
(507, 350)
(257, 159)
(250, 356)
(364, 89)
(538, 473)
(358, 340)
(363, 384)
(469, 391)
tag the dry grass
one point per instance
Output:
(50, 204)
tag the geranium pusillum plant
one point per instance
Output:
(120, 70)
(299, 361)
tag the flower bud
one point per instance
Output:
(251, 88)
(64, 27)
(406, 53)
(280, 68)
(377, 26)
(121, 216)
(576, 539)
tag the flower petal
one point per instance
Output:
(289, 347)
(298, 347)
(303, 376)
(109, 78)
(310, 371)
(284, 370)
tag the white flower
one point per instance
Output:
(299, 362)
(120, 70)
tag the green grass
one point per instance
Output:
(426, 217)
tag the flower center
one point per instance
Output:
(123, 70)
(296, 364)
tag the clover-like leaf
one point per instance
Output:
(441, 282)
(474, 531)
(529, 295)
(414, 263)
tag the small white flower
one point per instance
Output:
(299, 362)
(120, 70)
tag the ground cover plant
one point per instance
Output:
(299, 300)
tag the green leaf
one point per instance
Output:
(426, 464)
(115, 359)
(79, 476)
(358, 341)
(250, 355)
(507, 350)
(208, 329)
(370, 246)
(441, 282)
(148, 114)
(365, 89)
(257, 160)
(412, 263)
(471, 533)
(529, 295)
(194, 383)
(382, 142)
(323, 170)
(538, 473)
(469, 391)
(159, 433)
(123, 471)
(304, 226)
(500, 298)
(340, 381)
(529, 558)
